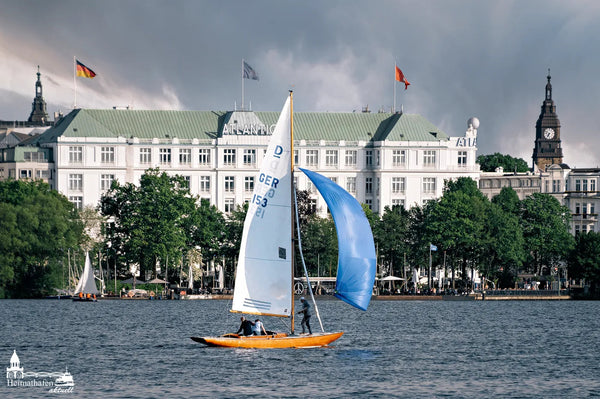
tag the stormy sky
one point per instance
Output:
(487, 59)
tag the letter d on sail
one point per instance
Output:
(278, 151)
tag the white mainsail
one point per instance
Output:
(264, 272)
(87, 284)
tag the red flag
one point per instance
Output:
(400, 78)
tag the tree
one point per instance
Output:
(545, 229)
(38, 226)
(456, 223)
(503, 243)
(391, 238)
(584, 260)
(148, 222)
(489, 163)
(508, 200)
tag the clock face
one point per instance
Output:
(549, 133)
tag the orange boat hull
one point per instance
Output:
(280, 340)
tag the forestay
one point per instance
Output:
(356, 250)
(264, 272)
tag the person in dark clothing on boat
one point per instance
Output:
(305, 315)
(246, 327)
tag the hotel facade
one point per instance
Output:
(383, 159)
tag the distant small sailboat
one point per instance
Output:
(86, 290)
(265, 278)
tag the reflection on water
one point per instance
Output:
(141, 349)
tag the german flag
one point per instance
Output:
(84, 71)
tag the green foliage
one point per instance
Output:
(508, 200)
(391, 238)
(489, 163)
(545, 230)
(38, 225)
(584, 260)
(158, 221)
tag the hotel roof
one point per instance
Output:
(329, 126)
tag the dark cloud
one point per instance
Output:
(463, 58)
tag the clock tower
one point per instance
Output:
(547, 150)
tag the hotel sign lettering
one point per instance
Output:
(466, 142)
(254, 129)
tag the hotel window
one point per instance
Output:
(331, 158)
(592, 209)
(398, 185)
(577, 208)
(106, 181)
(555, 186)
(295, 157)
(351, 157)
(333, 179)
(77, 201)
(369, 185)
(76, 182)
(76, 154)
(229, 157)
(249, 157)
(369, 203)
(229, 184)
(462, 158)
(351, 184)
(30, 156)
(204, 183)
(429, 185)
(547, 185)
(185, 156)
(204, 156)
(369, 158)
(249, 183)
(428, 158)
(312, 157)
(41, 174)
(107, 154)
(145, 155)
(25, 174)
(229, 205)
(312, 205)
(592, 185)
(399, 157)
(377, 157)
(164, 156)
(397, 202)
(187, 180)
(585, 185)
(577, 185)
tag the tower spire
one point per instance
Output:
(38, 115)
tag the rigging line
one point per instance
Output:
(303, 263)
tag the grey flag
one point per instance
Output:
(249, 73)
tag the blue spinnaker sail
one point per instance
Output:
(356, 249)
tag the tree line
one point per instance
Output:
(158, 225)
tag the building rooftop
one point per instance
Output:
(145, 124)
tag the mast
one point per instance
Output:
(292, 200)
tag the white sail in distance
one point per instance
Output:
(87, 284)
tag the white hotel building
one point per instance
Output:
(383, 159)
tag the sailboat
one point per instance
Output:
(86, 284)
(265, 271)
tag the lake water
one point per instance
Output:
(142, 349)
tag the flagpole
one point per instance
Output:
(242, 84)
(394, 108)
(75, 81)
